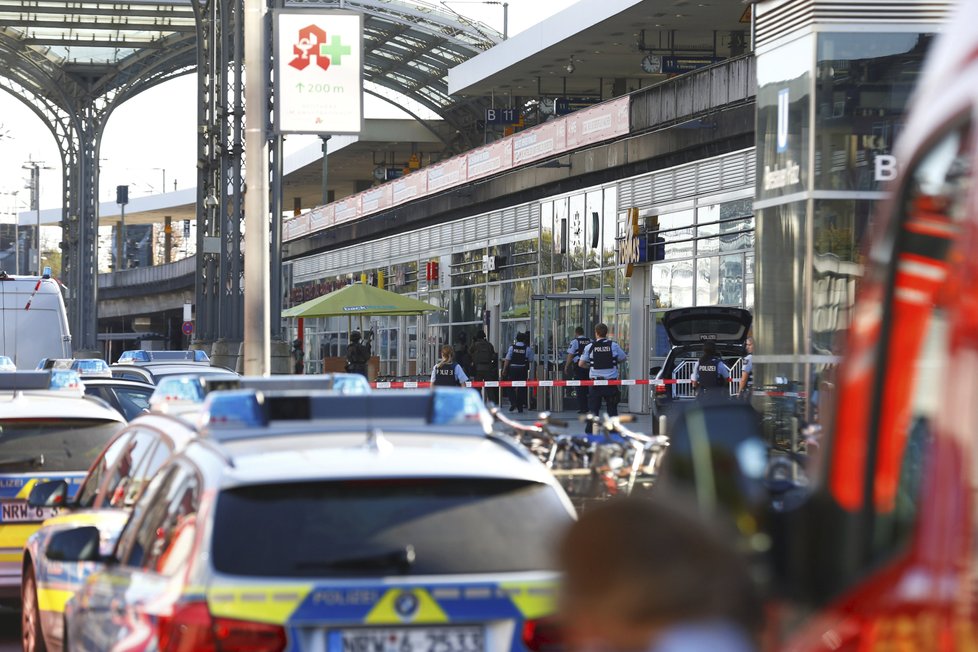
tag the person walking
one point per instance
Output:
(485, 363)
(710, 374)
(573, 370)
(746, 387)
(298, 357)
(448, 373)
(357, 355)
(462, 353)
(601, 358)
(517, 367)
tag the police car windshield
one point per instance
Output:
(375, 528)
(52, 445)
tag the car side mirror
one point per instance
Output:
(53, 493)
(75, 545)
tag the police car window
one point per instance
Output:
(144, 473)
(129, 458)
(925, 257)
(52, 445)
(89, 489)
(138, 545)
(375, 528)
(133, 400)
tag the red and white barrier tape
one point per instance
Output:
(478, 384)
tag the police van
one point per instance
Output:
(33, 322)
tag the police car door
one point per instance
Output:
(152, 552)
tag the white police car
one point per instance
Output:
(50, 431)
(392, 521)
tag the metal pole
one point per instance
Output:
(257, 344)
(122, 237)
(325, 170)
(505, 20)
(37, 207)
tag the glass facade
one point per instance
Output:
(548, 272)
(829, 107)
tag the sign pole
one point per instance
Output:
(257, 336)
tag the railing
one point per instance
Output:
(696, 93)
(148, 275)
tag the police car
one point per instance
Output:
(152, 366)
(115, 480)
(687, 329)
(50, 431)
(392, 521)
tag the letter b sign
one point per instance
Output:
(884, 167)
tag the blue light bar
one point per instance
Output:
(236, 408)
(187, 390)
(92, 367)
(65, 380)
(141, 355)
(458, 411)
(6, 364)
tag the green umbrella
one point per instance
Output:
(360, 299)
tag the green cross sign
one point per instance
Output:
(335, 50)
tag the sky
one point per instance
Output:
(152, 137)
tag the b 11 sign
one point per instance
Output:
(318, 72)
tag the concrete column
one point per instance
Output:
(167, 238)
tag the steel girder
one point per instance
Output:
(75, 105)
(220, 186)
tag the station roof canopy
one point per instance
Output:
(54, 50)
(604, 39)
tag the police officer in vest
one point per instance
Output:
(516, 366)
(710, 374)
(573, 370)
(602, 357)
(485, 362)
(448, 373)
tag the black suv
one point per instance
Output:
(688, 329)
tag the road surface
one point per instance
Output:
(9, 631)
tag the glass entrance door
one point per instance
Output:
(554, 318)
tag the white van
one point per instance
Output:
(32, 320)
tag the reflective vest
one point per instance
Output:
(602, 356)
(708, 375)
(445, 374)
(582, 343)
(518, 359)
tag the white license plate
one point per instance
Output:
(408, 639)
(24, 513)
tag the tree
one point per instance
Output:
(52, 258)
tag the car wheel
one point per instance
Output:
(30, 618)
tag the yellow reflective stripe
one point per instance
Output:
(267, 604)
(16, 535)
(384, 612)
(533, 599)
(25, 491)
(11, 556)
(52, 599)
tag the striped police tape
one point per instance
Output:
(478, 384)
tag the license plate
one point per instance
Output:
(24, 513)
(408, 639)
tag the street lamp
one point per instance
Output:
(35, 186)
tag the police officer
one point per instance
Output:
(747, 367)
(602, 357)
(448, 373)
(357, 355)
(710, 374)
(517, 367)
(575, 371)
(485, 363)
(298, 357)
